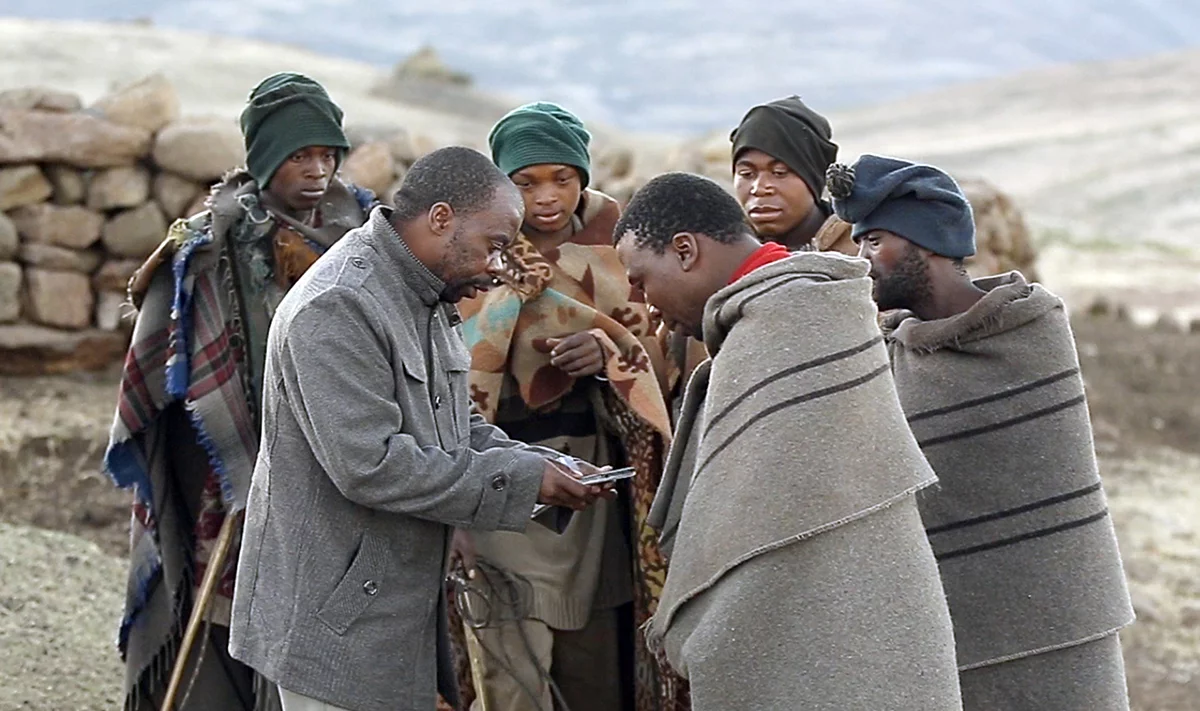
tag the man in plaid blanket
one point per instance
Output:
(185, 436)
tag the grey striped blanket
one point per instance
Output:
(1018, 522)
(800, 575)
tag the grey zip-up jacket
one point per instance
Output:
(369, 456)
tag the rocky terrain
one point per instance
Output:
(63, 528)
(1106, 152)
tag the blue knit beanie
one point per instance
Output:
(539, 133)
(920, 203)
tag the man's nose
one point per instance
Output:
(315, 168)
(495, 264)
(760, 186)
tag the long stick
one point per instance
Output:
(211, 574)
(474, 658)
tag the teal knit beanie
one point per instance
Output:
(539, 133)
(285, 113)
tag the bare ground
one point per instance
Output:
(63, 527)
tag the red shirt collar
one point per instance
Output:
(764, 255)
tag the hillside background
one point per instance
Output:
(680, 66)
(1106, 151)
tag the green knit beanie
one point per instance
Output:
(540, 133)
(286, 113)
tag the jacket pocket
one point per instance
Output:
(358, 588)
(457, 364)
(460, 404)
(409, 350)
(414, 368)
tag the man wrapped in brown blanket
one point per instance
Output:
(989, 378)
(800, 574)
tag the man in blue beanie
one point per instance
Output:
(912, 222)
(186, 432)
(989, 380)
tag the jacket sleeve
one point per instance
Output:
(339, 383)
(485, 435)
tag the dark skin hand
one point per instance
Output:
(559, 488)
(462, 551)
(578, 356)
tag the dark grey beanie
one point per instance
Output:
(285, 113)
(920, 203)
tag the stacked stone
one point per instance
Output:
(87, 193)
(613, 169)
(85, 196)
(380, 159)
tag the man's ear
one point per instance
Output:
(686, 249)
(441, 218)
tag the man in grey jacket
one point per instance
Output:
(370, 453)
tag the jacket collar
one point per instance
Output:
(415, 275)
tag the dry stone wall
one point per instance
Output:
(82, 201)
(86, 193)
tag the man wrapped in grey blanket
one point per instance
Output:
(987, 373)
(800, 573)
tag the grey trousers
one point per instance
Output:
(1086, 677)
(296, 702)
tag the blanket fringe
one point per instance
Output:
(214, 457)
(154, 677)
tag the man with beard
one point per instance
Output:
(780, 153)
(371, 453)
(800, 574)
(186, 432)
(989, 378)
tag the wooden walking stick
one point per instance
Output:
(211, 575)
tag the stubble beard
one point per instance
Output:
(456, 261)
(908, 284)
